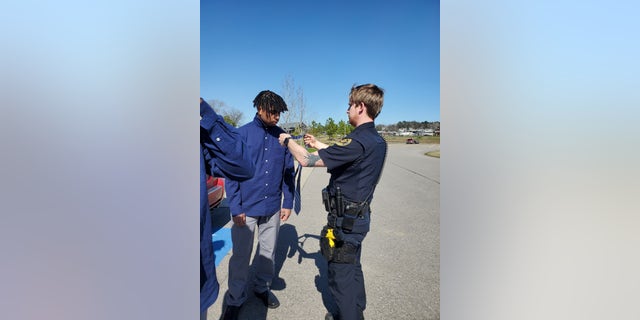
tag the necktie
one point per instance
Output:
(297, 203)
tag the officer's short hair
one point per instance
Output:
(270, 102)
(371, 95)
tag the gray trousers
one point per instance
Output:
(263, 261)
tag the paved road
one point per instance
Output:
(401, 253)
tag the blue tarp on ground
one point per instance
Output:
(221, 243)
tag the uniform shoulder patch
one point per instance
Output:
(343, 142)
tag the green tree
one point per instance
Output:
(344, 128)
(331, 127)
(316, 128)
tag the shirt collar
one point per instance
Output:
(365, 126)
(259, 122)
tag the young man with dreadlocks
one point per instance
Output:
(258, 202)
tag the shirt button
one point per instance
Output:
(265, 197)
(266, 172)
(266, 160)
(266, 184)
(265, 149)
(218, 139)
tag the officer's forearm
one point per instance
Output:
(319, 145)
(312, 160)
(303, 156)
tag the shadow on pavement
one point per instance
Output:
(296, 243)
(220, 215)
(288, 244)
(286, 247)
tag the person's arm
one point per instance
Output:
(311, 141)
(232, 188)
(299, 152)
(228, 155)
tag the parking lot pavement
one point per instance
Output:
(401, 258)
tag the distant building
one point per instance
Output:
(424, 132)
(291, 126)
(385, 133)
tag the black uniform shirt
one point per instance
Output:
(355, 162)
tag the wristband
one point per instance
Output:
(286, 142)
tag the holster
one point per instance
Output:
(341, 217)
(334, 248)
(341, 212)
(326, 249)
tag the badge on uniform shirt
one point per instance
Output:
(343, 142)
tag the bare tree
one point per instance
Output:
(294, 98)
(302, 106)
(217, 105)
(288, 88)
(230, 114)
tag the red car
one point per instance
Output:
(215, 188)
(412, 141)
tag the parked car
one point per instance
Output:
(215, 189)
(412, 141)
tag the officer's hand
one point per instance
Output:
(240, 220)
(284, 214)
(310, 140)
(282, 137)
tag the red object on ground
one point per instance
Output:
(412, 141)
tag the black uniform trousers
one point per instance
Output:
(346, 280)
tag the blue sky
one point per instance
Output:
(326, 47)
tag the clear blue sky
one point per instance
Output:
(326, 47)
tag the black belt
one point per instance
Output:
(354, 209)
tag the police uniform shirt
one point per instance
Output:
(355, 162)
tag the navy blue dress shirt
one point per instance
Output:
(262, 195)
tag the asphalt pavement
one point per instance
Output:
(401, 253)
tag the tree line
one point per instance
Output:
(294, 98)
(406, 125)
(341, 128)
(330, 128)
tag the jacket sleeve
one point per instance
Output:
(288, 177)
(224, 149)
(232, 188)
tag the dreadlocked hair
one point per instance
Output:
(270, 102)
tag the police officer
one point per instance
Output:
(355, 164)
(223, 154)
